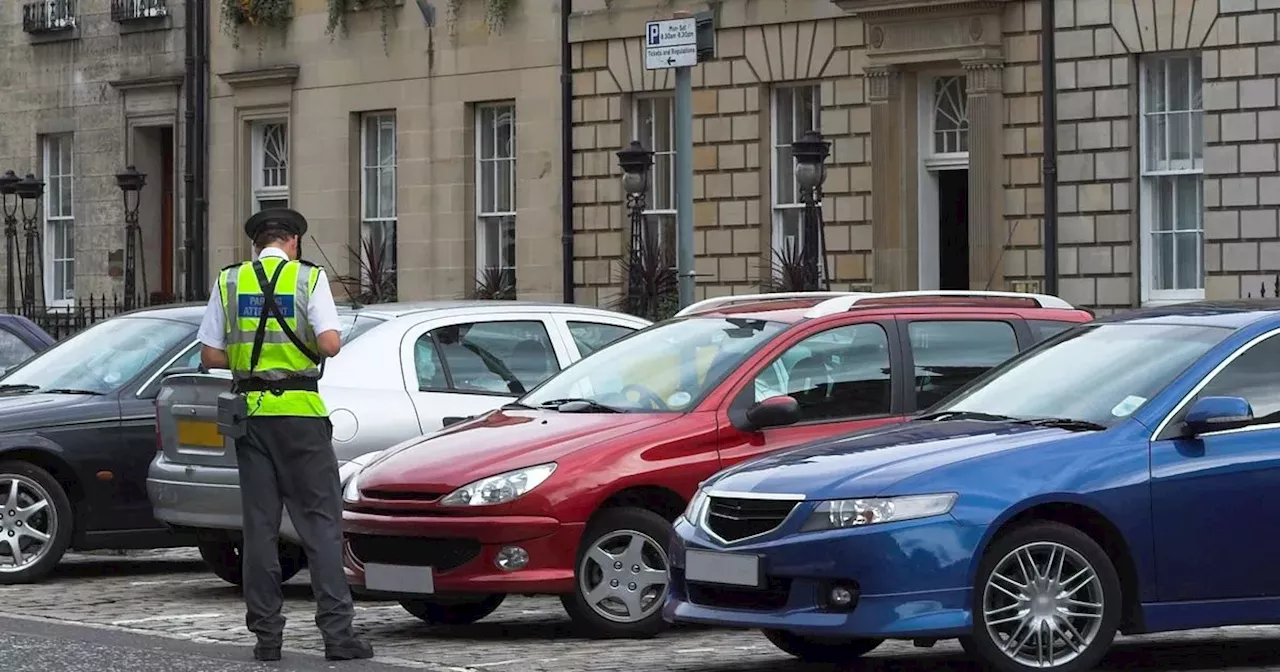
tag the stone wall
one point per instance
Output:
(82, 82)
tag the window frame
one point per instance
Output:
(1169, 430)
(53, 179)
(1148, 180)
(777, 208)
(743, 396)
(387, 223)
(259, 190)
(485, 216)
(659, 220)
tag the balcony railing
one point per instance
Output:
(124, 11)
(48, 16)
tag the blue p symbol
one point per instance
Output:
(653, 34)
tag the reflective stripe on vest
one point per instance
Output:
(242, 305)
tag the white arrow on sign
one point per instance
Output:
(662, 58)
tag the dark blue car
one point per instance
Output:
(20, 339)
(1122, 476)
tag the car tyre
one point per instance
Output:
(628, 545)
(56, 519)
(1070, 593)
(223, 557)
(453, 612)
(821, 649)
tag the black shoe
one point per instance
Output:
(266, 652)
(352, 649)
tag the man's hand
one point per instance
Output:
(330, 343)
(213, 358)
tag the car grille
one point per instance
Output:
(772, 597)
(735, 518)
(399, 496)
(441, 554)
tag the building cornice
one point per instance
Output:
(890, 8)
(147, 82)
(278, 75)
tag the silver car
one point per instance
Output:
(405, 370)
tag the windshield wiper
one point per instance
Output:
(578, 406)
(1069, 424)
(965, 415)
(70, 390)
(18, 388)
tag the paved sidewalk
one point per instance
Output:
(172, 594)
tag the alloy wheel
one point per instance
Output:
(28, 522)
(623, 577)
(1043, 605)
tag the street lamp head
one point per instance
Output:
(635, 161)
(29, 188)
(811, 153)
(9, 183)
(131, 179)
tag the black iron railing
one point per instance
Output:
(124, 11)
(1262, 289)
(48, 16)
(63, 321)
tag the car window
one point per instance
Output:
(1252, 376)
(838, 373)
(591, 336)
(13, 350)
(951, 353)
(508, 357)
(1043, 330)
(187, 360)
(355, 324)
(105, 356)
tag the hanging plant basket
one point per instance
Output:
(495, 14)
(268, 14)
(339, 9)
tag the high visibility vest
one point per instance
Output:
(243, 306)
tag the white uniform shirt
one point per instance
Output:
(322, 314)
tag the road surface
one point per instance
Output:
(166, 611)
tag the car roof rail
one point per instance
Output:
(842, 304)
(723, 301)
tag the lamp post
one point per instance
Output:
(131, 183)
(636, 161)
(811, 153)
(9, 204)
(30, 191)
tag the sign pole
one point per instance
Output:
(684, 184)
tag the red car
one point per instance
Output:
(571, 489)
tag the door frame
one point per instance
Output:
(929, 164)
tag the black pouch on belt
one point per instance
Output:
(233, 411)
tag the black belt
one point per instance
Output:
(278, 386)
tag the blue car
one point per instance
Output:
(1123, 476)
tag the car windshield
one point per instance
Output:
(1097, 374)
(103, 357)
(667, 367)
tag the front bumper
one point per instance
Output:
(202, 497)
(911, 579)
(461, 551)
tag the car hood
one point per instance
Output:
(499, 441)
(26, 411)
(868, 463)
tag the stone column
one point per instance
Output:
(893, 255)
(984, 83)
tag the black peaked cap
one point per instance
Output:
(284, 218)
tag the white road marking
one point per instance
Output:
(501, 662)
(170, 617)
(695, 650)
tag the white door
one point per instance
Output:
(459, 367)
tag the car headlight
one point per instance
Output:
(349, 475)
(841, 513)
(501, 488)
(694, 511)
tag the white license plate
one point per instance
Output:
(399, 579)
(734, 569)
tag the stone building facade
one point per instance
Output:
(86, 88)
(1167, 137)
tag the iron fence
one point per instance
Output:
(63, 321)
(123, 11)
(48, 16)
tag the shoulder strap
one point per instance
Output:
(271, 308)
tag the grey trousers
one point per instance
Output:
(290, 461)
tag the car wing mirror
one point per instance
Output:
(1216, 414)
(777, 411)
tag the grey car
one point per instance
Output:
(405, 370)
